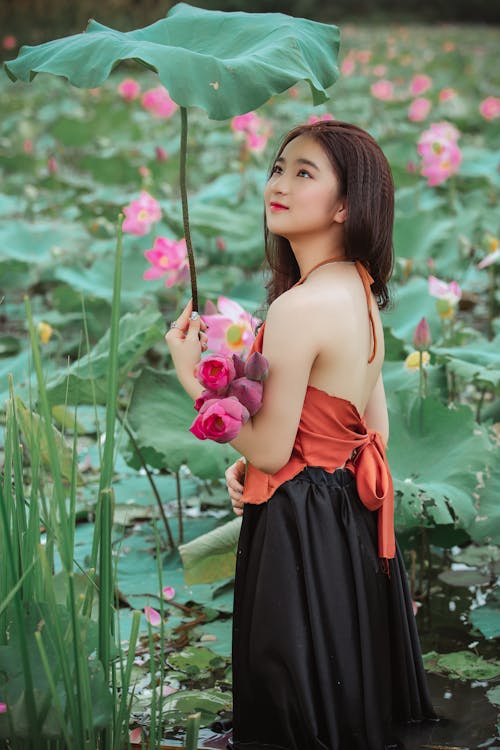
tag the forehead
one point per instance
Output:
(306, 147)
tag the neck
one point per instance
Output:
(309, 254)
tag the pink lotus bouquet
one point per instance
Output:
(233, 394)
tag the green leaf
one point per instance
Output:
(87, 378)
(181, 704)
(494, 695)
(232, 64)
(161, 414)
(487, 618)
(197, 658)
(462, 665)
(435, 454)
(211, 557)
(486, 525)
(39, 617)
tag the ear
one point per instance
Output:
(340, 214)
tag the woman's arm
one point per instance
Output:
(376, 416)
(267, 439)
(289, 346)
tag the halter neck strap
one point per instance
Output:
(367, 281)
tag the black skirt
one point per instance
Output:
(326, 653)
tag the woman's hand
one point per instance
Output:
(186, 340)
(235, 475)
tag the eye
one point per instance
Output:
(304, 172)
(276, 169)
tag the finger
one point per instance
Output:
(183, 319)
(193, 330)
(234, 485)
(236, 505)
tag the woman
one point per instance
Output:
(325, 650)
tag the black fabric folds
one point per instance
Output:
(326, 654)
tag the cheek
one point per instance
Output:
(267, 190)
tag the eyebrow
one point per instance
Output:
(299, 161)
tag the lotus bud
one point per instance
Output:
(256, 367)
(422, 335)
(239, 366)
(248, 392)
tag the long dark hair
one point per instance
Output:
(366, 181)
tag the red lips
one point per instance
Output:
(278, 207)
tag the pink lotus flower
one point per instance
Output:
(256, 130)
(51, 165)
(9, 42)
(220, 419)
(490, 259)
(248, 392)
(220, 244)
(246, 123)
(364, 55)
(28, 146)
(347, 66)
(419, 109)
(129, 89)
(442, 290)
(446, 94)
(215, 372)
(168, 592)
(312, 119)
(168, 258)
(441, 156)
(493, 247)
(419, 84)
(490, 107)
(205, 395)
(161, 154)
(152, 616)
(141, 214)
(158, 102)
(231, 330)
(379, 70)
(422, 335)
(3, 708)
(135, 736)
(383, 90)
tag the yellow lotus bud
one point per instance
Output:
(45, 332)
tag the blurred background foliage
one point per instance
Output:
(34, 21)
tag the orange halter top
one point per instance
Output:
(332, 434)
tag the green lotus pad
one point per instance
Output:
(226, 63)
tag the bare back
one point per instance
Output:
(342, 334)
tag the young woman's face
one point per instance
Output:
(302, 196)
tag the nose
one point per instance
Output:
(280, 184)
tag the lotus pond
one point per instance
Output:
(71, 160)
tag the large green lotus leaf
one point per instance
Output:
(486, 525)
(435, 455)
(412, 302)
(161, 413)
(211, 557)
(226, 63)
